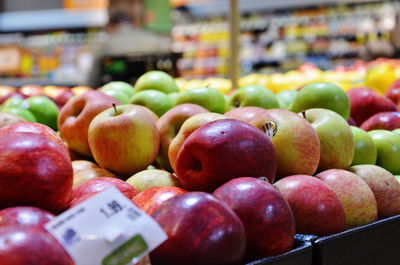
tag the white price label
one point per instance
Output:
(106, 229)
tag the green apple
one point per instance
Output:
(24, 113)
(286, 98)
(388, 146)
(397, 178)
(120, 86)
(207, 97)
(118, 95)
(322, 95)
(254, 95)
(335, 137)
(15, 102)
(365, 151)
(173, 96)
(227, 106)
(155, 100)
(156, 80)
(396, 131)
(44, 110)
(149, 178)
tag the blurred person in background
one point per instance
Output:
(125, 39)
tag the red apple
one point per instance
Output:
(99, 184)
(28, 245)
(62, 98)
(81, 165)
(352, 122)
(5, 91)
(189, 126)
(201, 230)
(222, 150)
(316, 208)
(53, 91)
(393, 92)
(75, 117)
(26, 216)
(12, 95)
(296, 143)
(149, 200)
(31, 90)
(245, 114)
(168, 126)
(384, 186)
(88, 174)
(383, 120)
(80, 90)
(265, 214)
(366, 102)
(358, 200)
(124, 139)
(35, 171)
(37, 128)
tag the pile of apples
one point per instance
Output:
(230, 179)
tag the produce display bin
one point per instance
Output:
(373, 244)
(301, 254)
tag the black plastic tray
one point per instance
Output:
(373, 244)
(301, 254)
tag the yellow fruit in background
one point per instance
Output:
(380, 78)
(251, 79)
(222, 84)
(181, 83)
(277, 82)
(397, 71)
(195, 83)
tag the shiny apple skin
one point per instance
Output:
(30, 246)
(266, 215)
(201, 230)
(316, 208)
(25, 216)
(149, 200)
(222, 150)
(34, 171)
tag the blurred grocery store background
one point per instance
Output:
(58, 41)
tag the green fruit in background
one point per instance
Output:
(286, 98)
(388, 146)
(156, 80)
(173, 97)
(26, 114)
(227, 106)
(15, 103)
(118, 95)
(322, 95)
(254, 95)
(156, 101)
(44, 110)
(207, 97)
(120, 86)
(397, 131)
(365, 151)
(397, 177)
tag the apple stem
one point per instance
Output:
(270, 128)
(208, 85)
(115, 108)
(303, 112)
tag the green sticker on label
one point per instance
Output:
(125, 253)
